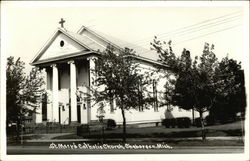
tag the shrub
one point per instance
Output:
(183, 122)
(169, 122)
(110, 123)
(197, 122)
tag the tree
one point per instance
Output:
(15, 81)
(120, 79)
(231, 96)
(194, 85)
(168, 58)
(23, 92)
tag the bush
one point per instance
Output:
(110, 124)
(169, 122)
(197, 122)
(183, 122)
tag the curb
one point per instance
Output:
(134, 139)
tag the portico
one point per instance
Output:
(63, 80)
(67, 61)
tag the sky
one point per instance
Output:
(26, 26)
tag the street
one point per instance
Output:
(19, 150)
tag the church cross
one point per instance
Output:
(62, 22)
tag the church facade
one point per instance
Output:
(67, 58)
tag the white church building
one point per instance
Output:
(67, 58)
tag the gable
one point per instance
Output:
(61, 45)
(65, 44)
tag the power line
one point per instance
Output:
(208, 34)
(186, 33)
(173, 31)
(203, 27)
(202, 35)
(136, 45)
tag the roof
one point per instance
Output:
(94, 41)
(87, 41)
(141, 51)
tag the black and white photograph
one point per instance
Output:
(124, 80)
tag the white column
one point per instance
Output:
(84, 110)
(73, 102)
(55, 101)
(91, 85)
(49, 95)
(39, 113)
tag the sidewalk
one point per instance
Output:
(50, 139)
(47, 136)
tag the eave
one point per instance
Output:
(150, 61)
(64, 58)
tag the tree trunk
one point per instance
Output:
(124, 126)
(203, 133)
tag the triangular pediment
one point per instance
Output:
(60, 45)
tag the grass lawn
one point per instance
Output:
(231, 129)
(14, 140)
(151, 135)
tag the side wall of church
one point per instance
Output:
(146, 115)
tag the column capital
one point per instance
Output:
(53, 65)
(43, 69)
(71, 62)
(91, 57)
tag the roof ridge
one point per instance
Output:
(100, 36)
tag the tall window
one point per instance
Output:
(112, 105)
(155, 104)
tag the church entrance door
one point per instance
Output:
(59, 115)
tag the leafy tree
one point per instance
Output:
(193, 88)
(194, 85)
(23, 92)
(15, 82)
(120, 78)
(168, 58)
(231, 96)
(166, 55)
